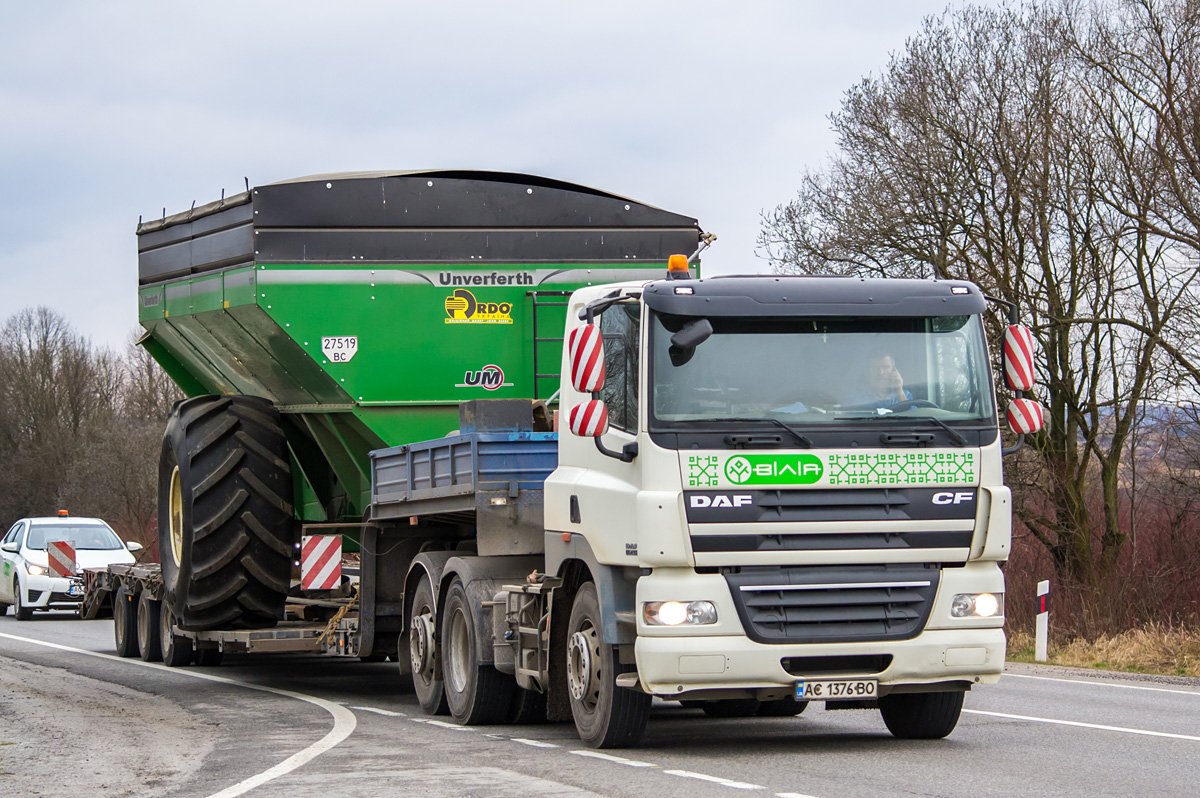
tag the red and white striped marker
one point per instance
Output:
(585, 349)
(1025, 416)
(589, 420)
(62, 557)
(320, 562)
(1042, 632)
(1018, 357)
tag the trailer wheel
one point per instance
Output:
(921, 716)
(125, 633)
(476, 693)
(208, 657)
(606, 716)
(225, 515)
(423, 651)
(176, 651)
(732, 707)
(782, 708)
(149, 645)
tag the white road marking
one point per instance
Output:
(1057, 722)
(386, 712)
(737, 785)
(1102, 684)
(534, 743)
(620, 760)
(344, 721)
(792, 795)
(442, 724)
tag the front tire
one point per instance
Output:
(606, 716)
(125, 634)
(921, 716)
(423, 651)
(22, 612)
(476, 694)
(225, 513)
(782, 708)
(149, 644)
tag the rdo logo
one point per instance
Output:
(767, 469)
(490, 377)
(463, 308)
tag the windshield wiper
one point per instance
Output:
(802, 439)
(890, 416)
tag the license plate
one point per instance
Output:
(75, 590)
(835, 689)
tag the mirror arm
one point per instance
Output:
(626, 455)
(1016, 447)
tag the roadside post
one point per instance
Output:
(1043, 623)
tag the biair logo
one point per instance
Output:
(721, 500)
(463, 308)
(769, 469)
(490, 377)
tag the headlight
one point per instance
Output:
(977, 605)
(674, 613)
(36, 570)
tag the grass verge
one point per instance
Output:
(1149, 649)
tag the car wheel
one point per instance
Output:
(22, 612)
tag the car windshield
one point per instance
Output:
(821, 371)
(85, 536)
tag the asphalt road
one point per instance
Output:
(74, 723)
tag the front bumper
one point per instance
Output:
(52, 592)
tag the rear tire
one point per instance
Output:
(208, 657)
(423, 651)
(125, 633)
(606, 716)
(176, 651)
(149, 644)
(225, 514)
(782, 708)
(921, 716)
(732, 708)
(527, 707)
(22, 612)
(476, 693)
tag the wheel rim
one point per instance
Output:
(458, 659)
(176, 518)
(143, 624)
(164, 628)
(583, 666)
(420, 648)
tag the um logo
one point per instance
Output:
(490, 377)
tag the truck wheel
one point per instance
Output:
(149, 645)
(732, 708)
(422, 650)
(782, 708)
(606, 716)
(176, 651)
(208, 657)
(22, 612)
(527, 707)
(921, 716)
(125, 623)
(225, 513)
(476, 694)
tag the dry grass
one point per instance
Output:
(1148, 649)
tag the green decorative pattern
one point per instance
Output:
(903, 468)
(702, 470)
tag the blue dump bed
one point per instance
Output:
(492, 481)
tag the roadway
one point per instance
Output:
(286, 726)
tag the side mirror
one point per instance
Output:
(11, 548)
(133, 545)
(1025, 416)
(1018, 357)
(589, 419)
(585, 350)
(693, 334)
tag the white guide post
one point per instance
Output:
(1043, 624)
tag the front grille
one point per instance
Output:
(833, 541)
(837, 666)
(838, 604)
(64, 598)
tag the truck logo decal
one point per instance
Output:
(463, 308)
(494, 278)
(339, 348)
(903, 468)
(762, 469)
(721, 500)
(490, 377)
(949, 497)
(702, 470)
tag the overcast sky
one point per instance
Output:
(112, 110)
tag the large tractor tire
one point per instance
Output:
(225, 521)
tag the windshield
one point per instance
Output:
(85, 536)
(822, 371)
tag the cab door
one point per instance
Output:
(8, 565)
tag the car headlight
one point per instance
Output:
(977, 605)
(675, 613)
(36, 570)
